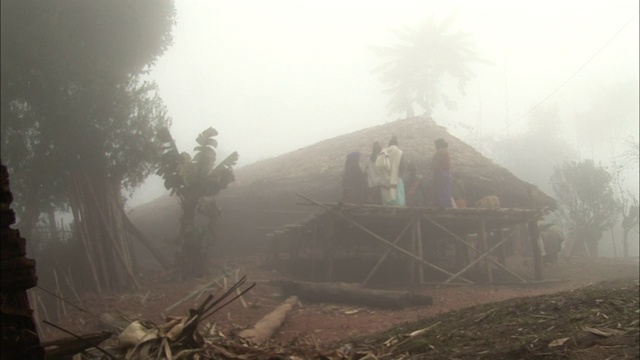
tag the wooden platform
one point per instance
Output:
(415, 234)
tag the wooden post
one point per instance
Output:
(483, 241)
(418, 227)
(314, 241)
(501, 256)
(534, 234)
(413, 247)
(328, 247)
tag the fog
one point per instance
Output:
(275, 76)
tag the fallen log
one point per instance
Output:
(262, 331)
(352, 294)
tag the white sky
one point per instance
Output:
(275, 76)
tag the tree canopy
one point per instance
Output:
(78, 120)
(422, 62)
(587, 202)
(533, 154)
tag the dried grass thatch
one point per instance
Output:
(317, 169)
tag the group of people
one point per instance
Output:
(387, 179)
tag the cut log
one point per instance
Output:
(352, 294)
(262, 331)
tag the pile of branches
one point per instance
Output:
(598, 321)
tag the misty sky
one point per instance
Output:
(275, 76)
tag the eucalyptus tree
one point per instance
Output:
(587, 203)
(423, 62)
(196, 182)
(77, 116)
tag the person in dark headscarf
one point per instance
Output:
(373, 176)
(442, 179)
(354, 180)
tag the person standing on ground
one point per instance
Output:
(442, 179)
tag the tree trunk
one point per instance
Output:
(191, 259)
(96, 205)
(625, 244)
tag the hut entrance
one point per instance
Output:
(373, 244)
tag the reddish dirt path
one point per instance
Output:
(326, 323)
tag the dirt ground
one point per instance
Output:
(324, 324)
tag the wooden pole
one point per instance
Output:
(501, 255)
(474, 248)
(376, 236)
(471, 264)
(328, 247)
(483, 241)
(313, 249)
(414, 249)
(418, 227)
(384, 256)
(534, 234)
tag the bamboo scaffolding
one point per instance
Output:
(471, 264)
(456, 237)
(376, 236)
(386, 253)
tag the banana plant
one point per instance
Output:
(195, 181)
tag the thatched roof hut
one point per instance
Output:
(316, 171)
(263, 195)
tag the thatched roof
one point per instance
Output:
(316, 170)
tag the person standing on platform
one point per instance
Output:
(390, 166)
(442, 179)
(373, 176)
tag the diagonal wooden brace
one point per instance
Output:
(497, 245)
(376, 236)
(384, 256)
(474, 249)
